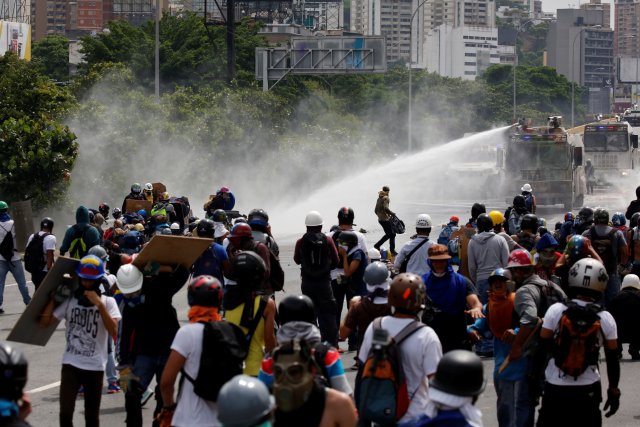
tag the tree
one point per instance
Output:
(50, 56)
(38, 151)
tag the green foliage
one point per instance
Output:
(50, 56)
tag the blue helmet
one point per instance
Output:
(500, 273)
(90, 267)
(618, 219)
(142, 213)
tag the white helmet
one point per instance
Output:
(374, 255)
(129, 279)
(148, 186)
(175, 226)
(527, 188)
(313, 219)
(631, 281)
(423, 221)
(588, 274)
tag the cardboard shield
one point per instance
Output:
(171, 250)
(136, 205)
(27, 330)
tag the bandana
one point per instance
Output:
(203, 314)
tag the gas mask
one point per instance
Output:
(293, 380)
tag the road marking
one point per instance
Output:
(44, 387)
(15, 284)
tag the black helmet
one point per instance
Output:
(460, 373)
(586, 215)
(249, 269)
(346, 215)
(484, 222)
(529, 222)
(634, 220)
(116, 213)
(219, 215)
(477, 209)
(258, 217)
(205, 291)
(205, 228)
(13, 372)
(46, 223)
(601, 216)
(519, 202)
(296, 308)
(348, 238)
(104, 209)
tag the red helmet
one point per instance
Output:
(519, 258)
(241, 229)
(224, 190)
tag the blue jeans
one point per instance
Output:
(486, 345)
(15, 267)
(513, 406)
(110, 370)
(144, 367)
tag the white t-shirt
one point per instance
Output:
(553, 374)
(9, 227)
(419, 353)
(48, 244)
(192, 410)
(86, 334)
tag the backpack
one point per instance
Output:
(445, 235)
(507, 214)
(453, 247)
(398, 225)
(34, 260)
(383, 396)
(405, 261)
(224, 349)
(78, 247)
(276, 276)
(314, 248)
(208, 263)
(576, 343)
(550, 293)
(605, 247)
(6, 246)
(528, 202)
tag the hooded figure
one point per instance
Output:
(487, 251)
(83, 230)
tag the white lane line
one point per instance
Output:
(44, 387)
(15, 284)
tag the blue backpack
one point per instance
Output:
(528, 202)
(209, 264)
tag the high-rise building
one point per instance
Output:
(48, 17)
(475, 13)
(604, 7)
(627, 24)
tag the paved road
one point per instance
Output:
(44, 369)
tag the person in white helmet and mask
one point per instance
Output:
(413, 256)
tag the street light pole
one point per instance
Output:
(409, 109)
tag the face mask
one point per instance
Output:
(438, 274)
(498, 295)
(344, 247)
(293, 382)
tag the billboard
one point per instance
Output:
(15, 37)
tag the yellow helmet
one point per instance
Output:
(496, 217)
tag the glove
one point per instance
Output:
(165, 416)
(613, 401)
(126, 377)
(64, 290)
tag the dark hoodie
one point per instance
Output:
(90, 235)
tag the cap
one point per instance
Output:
(438, 252)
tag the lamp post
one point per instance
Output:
(573, 83)
(409, 111)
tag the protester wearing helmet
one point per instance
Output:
(530, 303)
(148, 192)
(612, 248)
(413, 257)
(384, 214)
(149, 325)
(223, 199)
(300, 398)
(572, 394)
(527, 237)
(258, 220)
(244, 302)
(546, 256)
(46, 241)
(317, 256)
(453, 392)
(245, 402)
(14, 402)
(363, 309)
(136, 194)
(9, 258)
(354, 260)
(298, 321)
(619, 221)
(214, 261)
(448, 229)
(517, 212)
(85, 356)
(583, 221)
(566, 230)
(513, 405)
(204, 295)
(241, 239)
(420, 351)
(104, 210)
(498, 227)
(450, 294)
(529, 198)
(163, 209)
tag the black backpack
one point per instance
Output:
(34, 260)
(6, 246)
(224, 349)
(315, 259)
(507, 214)
(605, 247)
